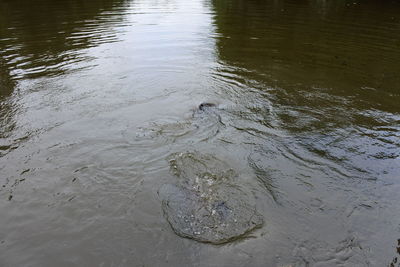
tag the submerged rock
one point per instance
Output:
(206, 205)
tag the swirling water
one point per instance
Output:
(96, 95)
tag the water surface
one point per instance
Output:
(95, 96)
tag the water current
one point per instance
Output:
(97, 96)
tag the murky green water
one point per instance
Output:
(95, 97)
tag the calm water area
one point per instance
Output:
(95, 97)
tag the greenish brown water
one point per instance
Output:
(95, 97)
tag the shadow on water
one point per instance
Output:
(45, 39)
(316, 90)
(341, 45)
(48, 38)
(7, 84)
(322, 72)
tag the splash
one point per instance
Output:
(206, 204)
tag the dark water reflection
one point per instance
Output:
(325, 69)
(330, 44)
(96, 95)
(48, 39)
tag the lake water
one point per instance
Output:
(95, 97)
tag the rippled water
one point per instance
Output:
(95, 96)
